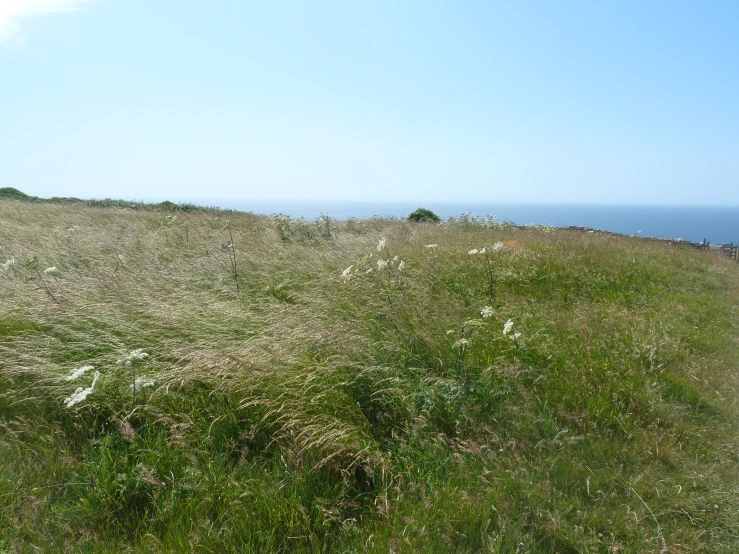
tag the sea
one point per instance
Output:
(716, 224)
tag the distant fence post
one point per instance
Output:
(729, 250)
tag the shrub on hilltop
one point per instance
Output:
(423, 215)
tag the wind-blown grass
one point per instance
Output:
(557, 392)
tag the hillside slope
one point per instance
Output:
(210, 381)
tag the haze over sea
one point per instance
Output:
(717, 224)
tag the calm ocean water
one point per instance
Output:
(716, 224)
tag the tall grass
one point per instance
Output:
(298, 406)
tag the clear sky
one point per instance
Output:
(610, 102)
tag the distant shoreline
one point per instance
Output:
(715, 224)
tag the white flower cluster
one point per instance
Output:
(79, 372)
(487, 312)
(142, 383)
(461, 343)
(384, 264)
(133, 356)
(507, 330)
(82, 393)
(497, 247)
(7, 265)
(51, 270)
(432, 246)
(381, 244)
(347, 273)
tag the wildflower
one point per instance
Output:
(80, 394)
(381, 244)
(79, 372)
(346, 274)
(8, 264)
(368, 271)
(450, 331)
(483, 251)
(381, 264)
(401, 265)
(432, 246)
(461, 343)
(50, 270)
(133, 356)
(138, 354)
(142, 383)
(498, 246)
(487, 312)
(395, 258)
(473, 252)
(508, 326)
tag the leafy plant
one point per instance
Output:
(423, 215)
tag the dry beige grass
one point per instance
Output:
(301, 347)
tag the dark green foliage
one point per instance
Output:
(423, 215)
(10, 192)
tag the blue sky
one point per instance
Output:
(603, 102)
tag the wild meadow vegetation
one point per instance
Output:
(203, 381)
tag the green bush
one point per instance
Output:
(10, 192)
(422, 214)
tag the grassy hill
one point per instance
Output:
(267, 384)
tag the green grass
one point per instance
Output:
(378, 411)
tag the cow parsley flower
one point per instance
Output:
(507, 331)
(487, 312)
(80, 394)
(432, 246)
(461, 343)
(498, 246)
(381, 244)
(401, 265)
(133, 356)
(7, 265)
(473, 252)
(483, 251)
(79, 372)
(141, 383)
(346, 274)
(50, 270)
(381, 264)
(508, 326)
